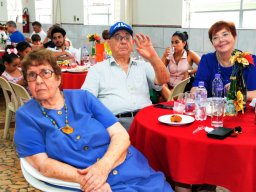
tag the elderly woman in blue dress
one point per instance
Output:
(71, 136)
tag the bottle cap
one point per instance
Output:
(217, 75)
(201, 84)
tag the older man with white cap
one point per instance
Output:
(121, 83)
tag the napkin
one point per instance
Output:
(253, 102)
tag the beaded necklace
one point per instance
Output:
(67, 129)
(221, 72)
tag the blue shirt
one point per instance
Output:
(90, 140)
(119, 91)
(17, 37)
(209, 66)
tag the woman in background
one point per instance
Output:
(179, 61)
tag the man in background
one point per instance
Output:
(37, 27)
(15, 35)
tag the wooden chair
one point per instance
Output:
(179, 88)
(21, 93)
(37, 180)
(11, 103)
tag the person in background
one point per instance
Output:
(121, 83)
(106, 37)
(223, 37)
(47, 42)
(23, 49)
(3, 35)
(37, 27)
(179, 60)
(15, 35)
(36, 40)
(61, 51)
(11, 62)
(97, 149)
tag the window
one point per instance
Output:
(43, 11)
(14, 10)
(203, 13)
(98, 12)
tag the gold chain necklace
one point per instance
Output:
(67, 129)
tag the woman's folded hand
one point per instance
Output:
(94, 177)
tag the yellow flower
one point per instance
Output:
(239, 102)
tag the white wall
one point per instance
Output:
(157, 12)
(3, 11)
(72, 11)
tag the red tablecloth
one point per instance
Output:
(72, 80)
(195, 158)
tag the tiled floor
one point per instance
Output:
(11, 179)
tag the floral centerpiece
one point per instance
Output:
(237, 94)
(95, 38)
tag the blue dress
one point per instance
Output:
(90, 140)
(209, 66)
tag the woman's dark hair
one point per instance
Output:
(38, 57)
(21, 46)
(10, 56)
(35, 37)
(230, 26)
(58, 30)
(183, 36)
(105, 34)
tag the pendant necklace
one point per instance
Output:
(67, 129)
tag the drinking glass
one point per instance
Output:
(217, 112)
(189, 99)
(171, 52)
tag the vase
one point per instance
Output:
(241, 86)
(99, 52)
(231, 96)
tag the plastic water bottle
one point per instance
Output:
(84, 55)
(217, 86)
(8, 41)
(200, 102)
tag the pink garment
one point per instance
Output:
(178, 71)
(11, 78)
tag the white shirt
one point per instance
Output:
(42, 34)
(119, 91)
(73, 51)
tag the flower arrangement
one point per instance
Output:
(238, 91)
(94, 37)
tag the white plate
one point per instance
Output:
(186, 119)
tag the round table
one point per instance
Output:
(194, 158)
(73, 80)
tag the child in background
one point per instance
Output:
(36, 40)
(11, 61)
(23, 49)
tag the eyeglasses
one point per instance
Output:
(119, 38)
(224, 36)
(44, 74)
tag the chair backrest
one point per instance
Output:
(9, 94)
(37, 180)
(179, 88)
(21, 93)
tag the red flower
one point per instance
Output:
(249, 58)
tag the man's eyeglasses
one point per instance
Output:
(44, 74)
(224, 36)
(119, 38)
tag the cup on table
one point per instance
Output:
(217, 111)
(179, 104)
(189, 99)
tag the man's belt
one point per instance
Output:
(127, 114)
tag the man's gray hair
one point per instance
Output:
(11, 23)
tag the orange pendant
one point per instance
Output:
(67, 129)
